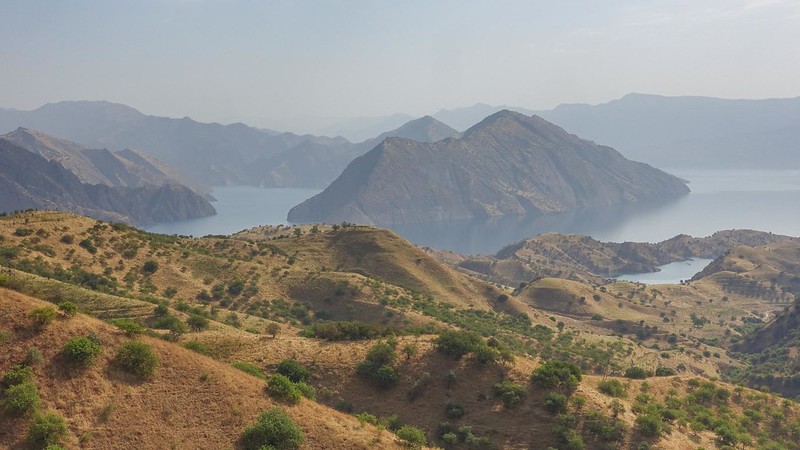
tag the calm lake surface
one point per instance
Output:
(239, 208)
(761, 200)
(670, 273)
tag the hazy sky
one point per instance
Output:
(285, 62)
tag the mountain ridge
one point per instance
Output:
(507, 164)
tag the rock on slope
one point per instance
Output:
(507, 164)
(28, 180)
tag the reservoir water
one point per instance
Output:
(671, 273)
(761, 200)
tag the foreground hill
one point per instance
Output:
(131, 168)
(192, 401)
(458, 355)
(507, 164)
(28, 180)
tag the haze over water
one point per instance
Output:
(720, 199)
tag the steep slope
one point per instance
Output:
(128, 167)
(317, 163)
(27, 180)
(192, 401)
(507, 164)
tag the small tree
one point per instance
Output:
(137, 358)
(293, 370)
(21, 399)
(410, 350)
(557, 374)
(280, 387)
(273, 429)
(81, 351)
(412, 435)
(197, 322)
(47, 429)
(42, 316)
(69, 309)
(150, 267)
(273, 329)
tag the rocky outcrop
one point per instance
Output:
(509, 164)
(27, 180)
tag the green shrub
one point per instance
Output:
(33, 357)
(197, 346)
(557, 375)
(43, 315)
(307, 390)
(511, 393)
(47, 429)
(281, 387)
(555, 403)
(252, 369)
(69, 309)
(344, 330)
(129, 327)
(293, 370)
(18, 374)
(412, 435)
(419, 386)
(197, 322)
(665, 372)
(649, 425)
(458, 343)
(454, 409)
(81, 351)
(150, 267)
(273, 430)
(636, 373)
(377, 365)
(605, 428)
(612, 388)
(137, 358)
(21, 398)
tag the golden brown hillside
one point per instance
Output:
(192, 401)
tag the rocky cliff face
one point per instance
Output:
(131, 168)
(507, 164)
(27, 180)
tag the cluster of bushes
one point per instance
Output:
(378, 366)
(136, 358)
(612, 388)
(458, 343)
(82, 351)
(452, 435)
(557, 374)
(19, 396)
(348, 331)
(511, 393)
(289, 383)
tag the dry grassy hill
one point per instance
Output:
(328, 297)
(191, 402)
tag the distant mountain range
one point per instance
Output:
(217, 154)
(29, 181)
(697, 132)
(507, 164)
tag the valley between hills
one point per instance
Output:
(362, 340)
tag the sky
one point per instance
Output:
(294, 64)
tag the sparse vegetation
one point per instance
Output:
(81, 351)
(273, 429)
(137, 358)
